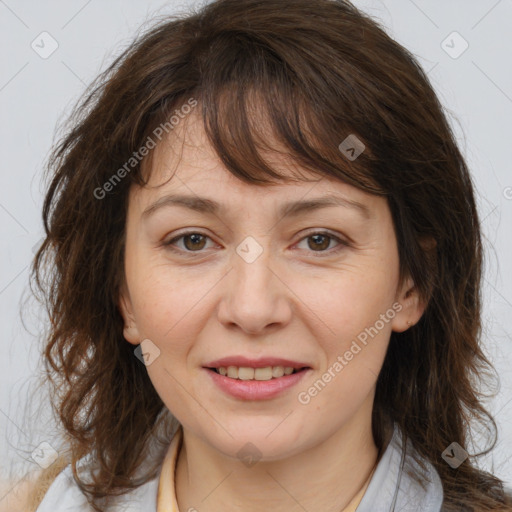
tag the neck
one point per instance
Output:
(324, 477)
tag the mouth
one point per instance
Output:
(261, 383)
(262, 378)
(259, 374)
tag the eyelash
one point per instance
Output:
(317, 254)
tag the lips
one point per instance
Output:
(263, 362)
(242, 368)
(248, 373)
(255, 379)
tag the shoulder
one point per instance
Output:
(508, 493)
(25, 494)
(57, 491)
(13, 494)
(508, 499)
(64, 495)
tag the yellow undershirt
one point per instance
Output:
(166, 499)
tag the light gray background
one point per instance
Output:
(36, 93)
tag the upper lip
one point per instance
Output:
(262, 362)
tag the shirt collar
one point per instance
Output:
(166, 498)
(391, 488)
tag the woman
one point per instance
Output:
(263, 265)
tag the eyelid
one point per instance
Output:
(177, 237)
(342, 243)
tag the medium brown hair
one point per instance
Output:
(317, 71)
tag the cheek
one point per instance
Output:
(169, 312)
(347, 302)
(170, 307)
(353, 313)
(352, 358)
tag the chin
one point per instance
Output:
(263, 439)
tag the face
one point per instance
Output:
(266, 284)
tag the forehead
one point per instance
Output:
(186, 150)
(184, 160)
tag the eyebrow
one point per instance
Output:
(289, 209)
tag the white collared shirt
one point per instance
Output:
(391, 488)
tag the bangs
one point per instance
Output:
(254, 106)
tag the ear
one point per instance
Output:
(130, 331)
(412, 307)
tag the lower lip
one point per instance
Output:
(256, 389)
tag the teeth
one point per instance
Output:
(233, 372)
(277, 371)
(246, 373)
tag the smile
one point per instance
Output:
(248, 383)
(248, 373)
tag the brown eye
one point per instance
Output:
(188, 242)
(194, 241)
(320, 242)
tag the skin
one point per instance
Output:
(288, 303)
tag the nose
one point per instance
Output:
(255, 298)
